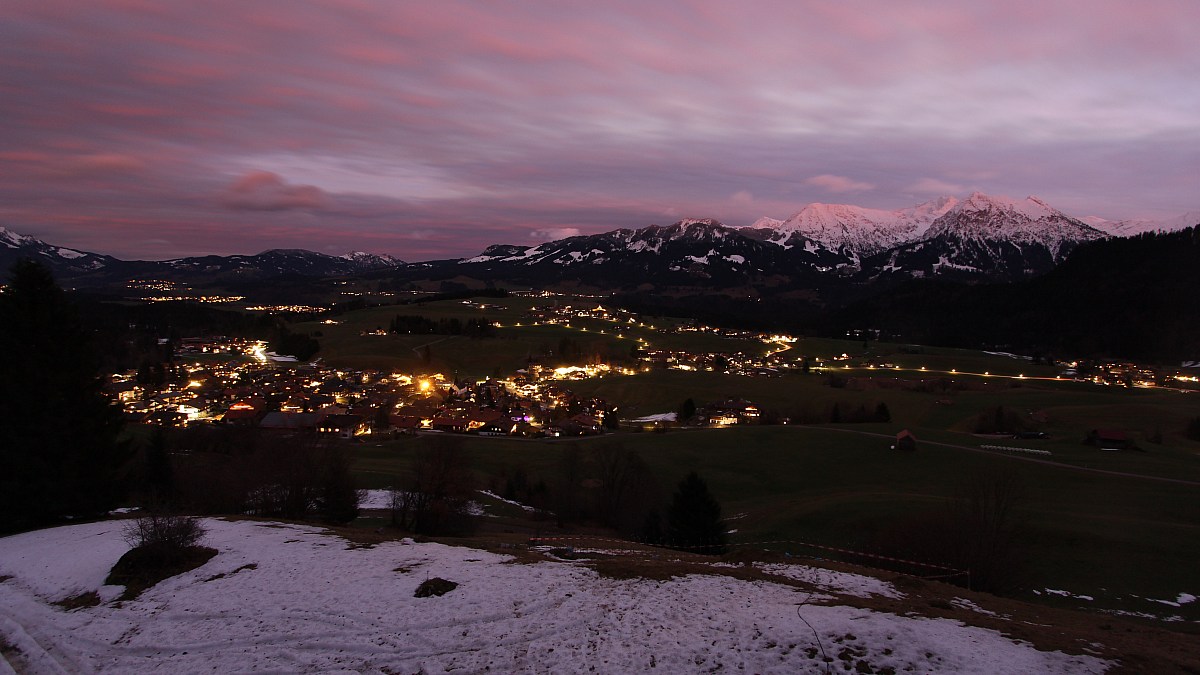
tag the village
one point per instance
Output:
(236, 382)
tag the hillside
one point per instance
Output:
(1137, 297)
(294, 598)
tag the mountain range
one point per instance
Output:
(822, 246)
(82, 268)
(980, 237)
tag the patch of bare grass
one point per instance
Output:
(436, 586)
(80, 601)
(143, 567)
(222, 575)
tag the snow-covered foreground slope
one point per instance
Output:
(314, 603)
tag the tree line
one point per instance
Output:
(607, 485)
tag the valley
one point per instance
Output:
(834, 409)
(804, 459)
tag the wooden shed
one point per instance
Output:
(905, 441)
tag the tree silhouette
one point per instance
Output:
(882, 414)
(687, 410)
(694, 518)
(59, 451)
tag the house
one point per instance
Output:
(731, 411)
(482, 418)
(289, 421)
(722, 419)
(244, 413)
(493, 429)
(905, 441)
(587, 424)
(165, 418)
(1109, 439)
(454, 425)
(294, 404)
(405, 424)
(342, 426)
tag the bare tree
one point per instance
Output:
(439, 493)
(626, 489)
(570, 479)
(987, 530)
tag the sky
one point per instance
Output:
(152, 129)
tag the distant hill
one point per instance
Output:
(63, 262)
(82, 269)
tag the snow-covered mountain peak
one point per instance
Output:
(817, 218)
(372, 259)
(766, 223)
(690, 229)
(1189, 219)
(11, 239)
(931, 210)
(1133, 227)
(1032, 208)
(688, 222)
(853, 230)
(1031, 221)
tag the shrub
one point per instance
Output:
(164, 545)
(164, 530)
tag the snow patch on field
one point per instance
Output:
(312, 603)
(493, 495)
(844, 583)
(381, 500)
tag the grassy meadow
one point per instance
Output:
(1106, 536)
(1119, 539)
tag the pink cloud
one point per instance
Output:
(553, 233)
(472, 123)
(266, 191)
(838, 183)
(742, 197)
(936, 186)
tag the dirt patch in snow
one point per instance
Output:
(86, 599)
(143, 567)
(436, 586)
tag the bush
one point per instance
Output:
(164, 530)
(164, 545)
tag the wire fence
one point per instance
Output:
(1007, 448)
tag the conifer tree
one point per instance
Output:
(687, 410)
(694, 518)
(59, 449)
